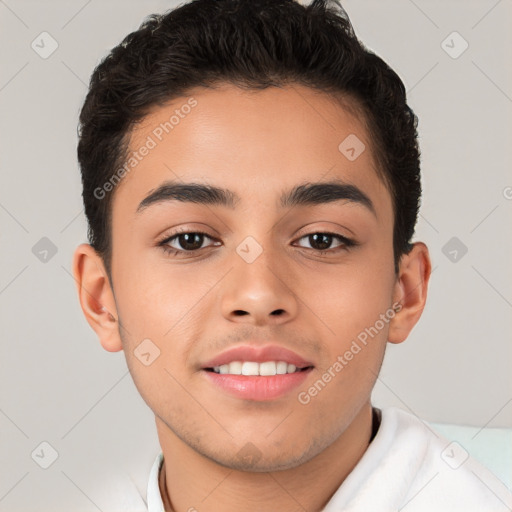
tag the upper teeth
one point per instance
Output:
(253, 368)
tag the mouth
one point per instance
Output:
(257, 373)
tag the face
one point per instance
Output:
(218, 283)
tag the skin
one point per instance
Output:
(257, 144)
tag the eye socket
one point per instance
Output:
(323, 241)
(187, 241)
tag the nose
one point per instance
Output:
(258, 293)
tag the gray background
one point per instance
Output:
(56, 382)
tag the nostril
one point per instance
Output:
(240, 312)
(277, 312)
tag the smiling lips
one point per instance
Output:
(257, 373)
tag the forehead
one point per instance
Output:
(254, 142)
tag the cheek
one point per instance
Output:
(164, 308)
(353, 304)
(153, 299)
(349, 299)
(357, 321)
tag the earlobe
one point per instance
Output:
(96, 296)
(410, 291)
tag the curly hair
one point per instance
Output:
(253, 44)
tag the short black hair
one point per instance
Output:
(253, 44)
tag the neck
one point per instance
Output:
(306, 487)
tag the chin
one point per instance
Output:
(250, 458)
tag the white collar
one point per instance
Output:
(154, 498)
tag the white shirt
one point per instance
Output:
(406, 467)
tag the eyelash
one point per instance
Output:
(346, 242)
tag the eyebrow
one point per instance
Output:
(301, 195)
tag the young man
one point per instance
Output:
(251, 181)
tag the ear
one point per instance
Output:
(410, 291)
(96, 296)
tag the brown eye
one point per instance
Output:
(190, 241)
(186, 242)
(320, 241)
(324, 241)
